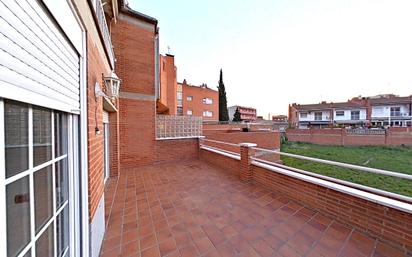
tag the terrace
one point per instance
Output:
(223, 204)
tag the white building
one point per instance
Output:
(384, 110)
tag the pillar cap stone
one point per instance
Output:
(248, 144)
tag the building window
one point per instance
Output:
(395, 111)
(207, 100)
(207, 114)
(340, 113)
(189, 98)
(189, 112)
(318, 115)
(354, 115)
(304, 115)
(179, 111)
(37, 179)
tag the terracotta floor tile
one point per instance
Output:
(192, 209)
(167, 246)
(204, 245)
(151, 252)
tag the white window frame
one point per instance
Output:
(189, 112)
(207, 100)
(189, 98)
(303, 115)
(341, 113)
(70, 202)
(206, 114)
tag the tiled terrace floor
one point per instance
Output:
(193, 209)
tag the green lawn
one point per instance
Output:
(398, 159)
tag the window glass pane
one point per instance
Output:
(43, 196)
(42, 145)
(60, 133)
(18, 215)
(16, 128)
(62, 182)
(62, 231)
(45, 243)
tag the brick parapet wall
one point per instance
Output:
(379, 221)
(393, 136)
(229, 164)
(385, 223)
(268, 140)
(173, 150)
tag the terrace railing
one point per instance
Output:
(258, 151)
(174, 127)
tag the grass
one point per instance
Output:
(398, 159)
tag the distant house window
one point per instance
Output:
(179, 95)
(304, 115)
(340, 113)
(318, 115)
(189, 112)
(189, 98)
(207, 100)
(179, 111)
(207, 114)
(164, 65)
(395, 111)
(354, 115)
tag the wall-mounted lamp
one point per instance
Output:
(112, 83)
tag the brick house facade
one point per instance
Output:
(200, 101)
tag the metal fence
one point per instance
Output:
(365, 131)
(169, 127)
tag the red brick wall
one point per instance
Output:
(137, 133)
(268, 140)
(196, 105)
(234, 127)
(388, 224)
(177, 150)
(95, 68)
(393, 136)
(227, 163)
(135, 54)
(168, 83)
(382, 222)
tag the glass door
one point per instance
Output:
(106, 151)
(36, 168)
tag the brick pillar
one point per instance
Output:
(245, 169)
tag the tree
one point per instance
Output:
(236, 116)
(223, 113)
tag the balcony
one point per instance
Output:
(201, 208)
(101, 19)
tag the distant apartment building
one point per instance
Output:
(279, 118)
(199, 101)
(246, 113)
(375, 111)
(167, 102)
(183, 99)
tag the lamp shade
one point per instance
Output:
(112, 83)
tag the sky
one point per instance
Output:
(277, 52)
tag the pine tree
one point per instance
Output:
(236, 116)
(223, 113)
